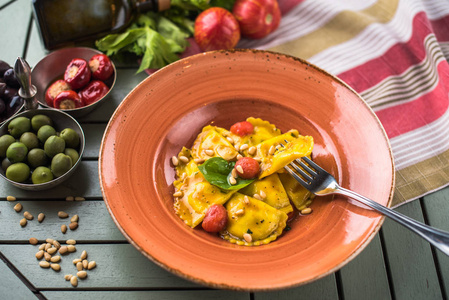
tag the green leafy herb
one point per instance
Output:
(217, 171)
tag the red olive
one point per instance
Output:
(101, 67)
(68, 100)
(77, 73)
(93, 92)
(54, 89)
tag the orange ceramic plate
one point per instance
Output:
(168, 109)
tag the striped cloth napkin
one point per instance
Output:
(395, 54)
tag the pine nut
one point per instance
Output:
(71, 242)
(47, 256)
(263, 194)
(79, 199)
(198, 161)
(33, 241)
(63, 228)
(246, 200)
(42, 246)
(248, 238)
(239, 169)
(79, 266)
(257, 196)
(306, 211)
(237, 147)
(40, 217)
(50, 241)
(47, 246)
(74, 281)
(23, 222)
(40, 254)
(56, 267)
(178, 194)
(85, 264)
(55, 259)
(209, 152)
(184, 159)
(92, 264)
(252, 150)
(234, 173)
(63, 214)
(174, 161)
(239, 212)
(230, 139)
(232, 180)
(63, 250)
(76, 260)
(83, 255)
(28, 216)
(69, 198)
(52, 250)
(56, 244)
(75, 218)
(11, 198)
(73, 225)
(239, 156)
(68, 276)
(271, 150)
(244, 147)
(81, 274)
(71, 248)
(44, 264)
(18, 207)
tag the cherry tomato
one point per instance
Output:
(77, 73)
(68, 100)
(216, 218)
(242, 128)
(257, 18)
(54, 89)
(216, 29)
(250, 167)
(101, 67)
(93, 92)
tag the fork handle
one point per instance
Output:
(436, 237)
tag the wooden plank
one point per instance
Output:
(95, 222)
(16, 289)
(144, 295)
(436, 206)
(366, 274)
(410, 260)
(119, 266)
(35, 50)
(93, 134)
(15, 19)
(323, 289)
(88, 187)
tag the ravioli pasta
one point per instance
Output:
(256, 211)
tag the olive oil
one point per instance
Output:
(65, 22)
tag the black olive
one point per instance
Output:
(2, 88)
(3, 67)
(9, 93)
(10, 78)
(2, 106)
(14, 105)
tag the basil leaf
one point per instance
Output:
(217, 171)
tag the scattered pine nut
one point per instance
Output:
(44, 264)
(184, 159)
(174, 161)
(92, 264)
(239, 169)
(236, 147)
(271, 150)
(55, 259)
(23, 222)
(49, 241)
(63, 228)
(257, 196)
(244, 147)
(306, 211)
(178, 194)
(73, 225)
(239, 156)
(263, 194)
(79, 199)
(76, 260)
(198, 161)
(28, 216)
(246, 200)
(239, 212)
(252, 150)
(63, 214)
(56, 244)
(52, 250)
(69, 198)
(232, 180)
(75, 218)
(71, 242)
(74, 281)
(248, 238)
(81, 274)
(40, 217)
(33, 241)
(63, 250)
(230, 139)
(234, 173)
(209, 152)
(47, 256)
(11, 198)
(83, 255)
(18, 207)
(42, 246)
(71, 248)
(68, 276)
(79, 266)
(55, 267)
(47, 246)
(85, 264)
(40, 254)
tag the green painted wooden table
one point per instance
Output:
(395, 265)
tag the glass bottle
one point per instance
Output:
(65, 22)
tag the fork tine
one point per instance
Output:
(313, 164)
(301, 172)
(296, 176)
(305, 167)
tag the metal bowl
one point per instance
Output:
(61, 120)
(53, 66)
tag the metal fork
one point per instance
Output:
(318, 181)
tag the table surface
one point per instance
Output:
(397, 264)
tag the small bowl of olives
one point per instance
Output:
(74, 80)
(10, 101)
(40, 148)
